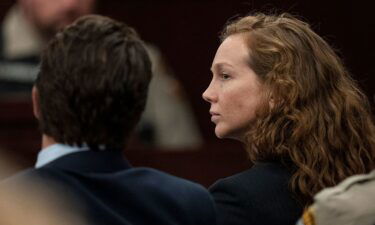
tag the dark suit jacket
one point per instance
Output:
(110, 192)
(258, 196)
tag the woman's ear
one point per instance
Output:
(35, 99)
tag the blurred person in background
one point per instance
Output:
(88, 97)
(168, 121)
(37, 203)
(31, 202)
(6, 165)
(349, 203)
(26, 29)
(280, 89)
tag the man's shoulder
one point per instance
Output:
(138, 177)
(188, 199)
(148, 181)
(153, 191)
(154, 175)
(165, 184)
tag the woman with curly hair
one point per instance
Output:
(279, 88)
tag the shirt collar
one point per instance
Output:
(56, 151)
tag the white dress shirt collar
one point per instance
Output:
(56, 151)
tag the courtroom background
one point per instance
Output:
(187, 34)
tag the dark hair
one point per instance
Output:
(93, 83)
(319, 124)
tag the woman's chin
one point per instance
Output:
(221, 134)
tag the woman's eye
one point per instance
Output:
(225, 76)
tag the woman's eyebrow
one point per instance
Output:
(220, 65)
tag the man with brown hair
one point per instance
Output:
(168, 121)
(88, 97)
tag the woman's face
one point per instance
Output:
(235, 91)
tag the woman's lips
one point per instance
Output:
(214, 116)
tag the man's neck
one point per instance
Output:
(47, 141)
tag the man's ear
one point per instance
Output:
(35, 99)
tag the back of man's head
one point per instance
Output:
(93, 83)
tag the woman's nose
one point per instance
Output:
(208, 95)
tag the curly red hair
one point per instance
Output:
(319, 125)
